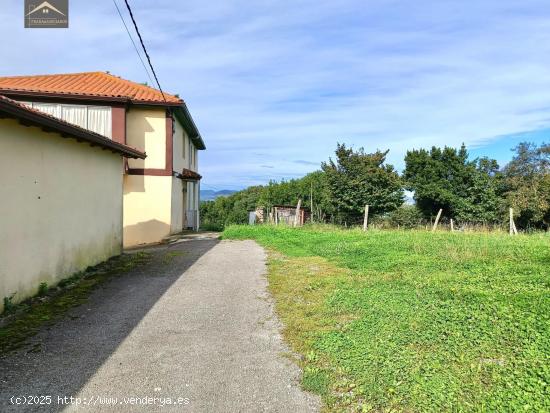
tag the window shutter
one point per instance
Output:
(49, 108)
(99, 120)
(77, 115)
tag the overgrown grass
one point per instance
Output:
(50, 305)
(414, 321)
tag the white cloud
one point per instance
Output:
(290, 79)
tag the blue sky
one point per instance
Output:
(273, 85)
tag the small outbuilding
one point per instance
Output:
(61, 192)
(286, 214)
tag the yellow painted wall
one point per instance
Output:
(154, 205)
(60, 208)
(146, 130)
(147, 199)
(147, 208)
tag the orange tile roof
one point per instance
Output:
(89, 84)
(190, 175)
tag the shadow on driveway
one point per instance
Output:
(73, 349)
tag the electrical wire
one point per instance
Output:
(134, 43)
(144, 48)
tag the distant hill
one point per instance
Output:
(210, 195)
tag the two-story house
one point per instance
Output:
(161, 192)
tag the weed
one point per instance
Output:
(315, 380)
(9, 306)
(170, 255)
(43, 289)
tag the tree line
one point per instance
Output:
(472, 191)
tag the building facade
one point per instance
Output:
(160, 192)
(61, 188)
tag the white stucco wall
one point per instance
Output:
(60, 208)
(188, 158)
(178, 205)
(181, 147)
(185, 156)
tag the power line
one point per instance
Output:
(134, 43)
(144, 48)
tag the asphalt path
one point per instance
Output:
(193, 330)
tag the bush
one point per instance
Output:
(406, 216)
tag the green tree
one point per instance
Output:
(482, 199)
(311, 189)
(446, 179)
(232, 209)
(527, 185)
(357, 179)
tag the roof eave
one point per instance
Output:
(78, 96)
(67, 130)
(185, 118)
(180, 108)
(75, 96)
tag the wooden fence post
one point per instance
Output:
(452, 226)
(366, 218)
(276, 215)
(513, 230)
(297, 216)
(437, 220)
(311, 202)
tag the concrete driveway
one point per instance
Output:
(194, 330)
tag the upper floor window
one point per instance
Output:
(97, 119)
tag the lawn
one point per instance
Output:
(414, 321)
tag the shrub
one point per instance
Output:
(406, 216)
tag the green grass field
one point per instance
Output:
(414, 321)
